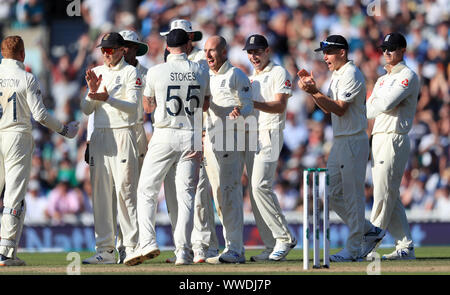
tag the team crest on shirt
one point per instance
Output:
(266, 79)
(138, 82)
(405, 83)
(222, 84)
(118, 80)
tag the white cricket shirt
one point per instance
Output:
(21, 99)
(179, 87)
(271, 80)
(393, 101)
(120, 109)
(347, 84)
(230, 88)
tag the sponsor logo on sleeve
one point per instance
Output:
(405, 83)
(288, 84)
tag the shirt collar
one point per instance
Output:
(12, 62)
(266, 69)
(398, 67)
(118, 66)
(342, 69)
(173, 56)
(223, 69)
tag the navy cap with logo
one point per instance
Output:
(333, 41)
(256, 42)
(393, 41)
(177, 38)
(112, 40)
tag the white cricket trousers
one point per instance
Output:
(390, 152)
(142, 143)
(204, 234)
(168, 147)
(16, 150)
(269, 218)
(224, 169)
(114, 168)
(346, 165)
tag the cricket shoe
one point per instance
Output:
(141, 255)
(200, 256)
(231, 256)
(281, 250)
(6, 261)
(371, 240)
(184, 257)
(263, 256)
(344, 256)
(400, 254)
(103, 257)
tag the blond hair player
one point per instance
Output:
(349, 154)
(113, 95)
(20, 99)
(393, 105)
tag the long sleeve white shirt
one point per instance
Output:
(21, 99)
(393, 101)
(123, 86)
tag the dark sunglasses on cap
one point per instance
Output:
(108, 50)
(325, 44)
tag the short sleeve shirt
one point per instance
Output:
(271, 80)
(347, 84)
(179, 87)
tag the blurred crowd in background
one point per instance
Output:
(60, 190)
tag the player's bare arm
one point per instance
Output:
(326, 104)
(149, 104)
(277, 106)
(206, 103)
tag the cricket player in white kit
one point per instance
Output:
(133, 47)
(179, 88)
(204, 237)
(113, 95)
(271, 85)
(350, 152)
(225, 145)
(393, 105)
(20, 99)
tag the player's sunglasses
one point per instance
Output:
(390, 48)
(109, 50)
(325, 44)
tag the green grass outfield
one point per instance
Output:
(430, 260)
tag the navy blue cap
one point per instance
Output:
(177, 38)
(256, 42)
(112, 40)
